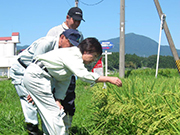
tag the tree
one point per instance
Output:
(134, 61)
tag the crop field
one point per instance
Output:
(143, 105)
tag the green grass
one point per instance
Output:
(83, 112)
(144, 105)
(11, 118)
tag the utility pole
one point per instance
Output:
(163, 16)
(168, 36)
(76, 3)
(122, 40)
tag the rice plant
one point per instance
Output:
(144, 105)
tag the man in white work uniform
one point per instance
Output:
(61, 64)
(40, 46)
(73, 20)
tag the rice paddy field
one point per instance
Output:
(144, 105)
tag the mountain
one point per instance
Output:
(136, 44)
(22, 47)
(141, 46)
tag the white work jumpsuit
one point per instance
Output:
(59, 64)
(40, 46)
(57, 30)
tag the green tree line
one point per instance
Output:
(132, 61)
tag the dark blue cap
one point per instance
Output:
(72, 35)
(76, 13)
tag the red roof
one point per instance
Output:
(5, 38)
(9, 38)
(15, 34)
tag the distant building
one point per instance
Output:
(8, 52)
(8, 45)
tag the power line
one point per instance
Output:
(91, 4)
(68, 3)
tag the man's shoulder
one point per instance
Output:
(67, 50)
(44, 40)
(74, 50)
(47, 38)
(55, 30)
(57, 27)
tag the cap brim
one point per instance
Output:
(73, 42)
(78, 18)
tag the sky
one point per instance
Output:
(33, 18)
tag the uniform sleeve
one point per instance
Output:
(76, 66)
(43, 46)
(40, 46)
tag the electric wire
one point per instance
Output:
(91, 4)
(68, 3)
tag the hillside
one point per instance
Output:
(136, 44)
(141, 46)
